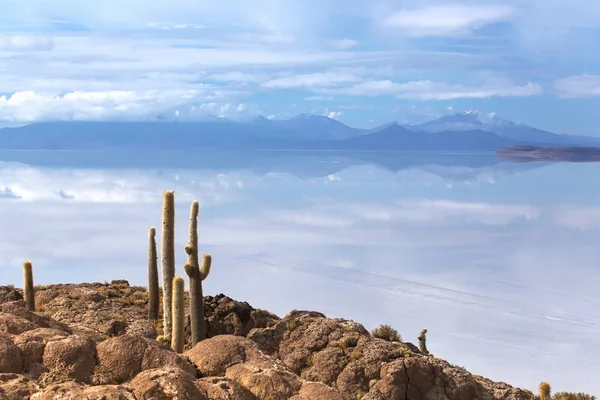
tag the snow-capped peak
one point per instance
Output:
(466, 120)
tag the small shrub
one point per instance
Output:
(355, 355)
(386, 332)
(572, 396)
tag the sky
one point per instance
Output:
(364, 63)
(499, 262)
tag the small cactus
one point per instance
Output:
(168, 259)
(545, 391)
(178, 338)
(423, 342)
(153, 298)
(196, 276)
(28, 293)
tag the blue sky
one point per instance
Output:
(364, 63)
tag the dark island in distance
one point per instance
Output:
(465, 132)
(527, 153)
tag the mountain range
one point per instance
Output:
(465, 131)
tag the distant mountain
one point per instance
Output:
(468, 131)
(472, 119)
(396, 137)
(309, 127)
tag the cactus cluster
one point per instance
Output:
(173, 286)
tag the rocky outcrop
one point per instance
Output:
(93, 341)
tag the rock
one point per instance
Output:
(14, 324)
(326, 365)
(9, 293)
(303, 356)
(219, 388)
(19, 309)
(213, 356)
(73, 357)
(142, 328)
(166, 384)
(16, 387)
(123, 357)
(265, 384)
(106, 392)
(33, 342)
(60, 391)
(11, 360)
(317, 390)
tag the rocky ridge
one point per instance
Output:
(94, 341)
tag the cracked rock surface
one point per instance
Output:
(93, 341)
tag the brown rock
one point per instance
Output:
(14, 325)
(213, 356)
(123, 357)
(326, 365)
(60, 391)
(265, 384)
(219, 388)
(317, 390)
(16, 387)
(33, 342)
(11, 360)
(106, 392)
(73, 357)
(165, 384)
(19, 309)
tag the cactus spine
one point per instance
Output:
(28, 293)
(423, 342)
(153, 298)
(168, 259)
(196, 276)
(178, 338)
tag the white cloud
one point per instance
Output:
(31, 106)
(238, 76)
(26, 43)
(344, 44)
(430, 90)
(447, 19)
(578, 217)
(333, 114)
(318, 98)
(578, 86)
(326, 79)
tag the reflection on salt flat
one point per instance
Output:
(499, 262)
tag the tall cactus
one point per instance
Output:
(196, 275)
(423, 341)
(28, 293)
(168, 259)
(178, 337)
(153, 298)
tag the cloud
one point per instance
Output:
(447, 19)
(31, 106)
(326, 79)
(578, 86)
(578, 217)
(318, 98)
(431, 90)
(344, 44)
(333, 114)
(26, 43)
